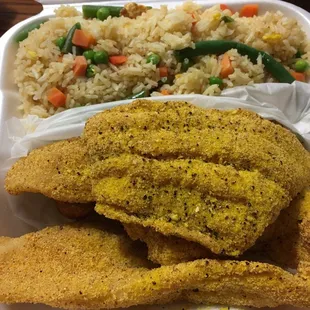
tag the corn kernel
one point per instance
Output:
(273, 37)
(217, 16)
(32, 55)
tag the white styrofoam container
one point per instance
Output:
(9, 100)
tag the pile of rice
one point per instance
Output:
(160, 31)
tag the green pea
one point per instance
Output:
(103, 13)
(60, 42)
(186, 63)
(215, 80)
(101, 57)
(301, 65)
(91, 71)
(89, 55)
(153, 58)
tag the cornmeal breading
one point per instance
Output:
(174, 130)
(221, 208)
(59, 170)
(285, 242)
(87, 268)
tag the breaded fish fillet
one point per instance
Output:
(174, 130)
(87, 268)
(59, 170)
(285, 242)
(221, 208)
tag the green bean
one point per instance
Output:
(23, 34)
(215, 80)
(67, 48)
(227, 19)
(141, 94)
(91, 71)
(103, 13)
(90, 11)
(101, 57)
(60, 42)
(301, 65)
(153, 58)
(221, 46)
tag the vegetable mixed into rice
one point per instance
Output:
(108, 53)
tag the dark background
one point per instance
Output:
(14, 11)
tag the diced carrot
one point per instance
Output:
(194, 22)
(224, 7)
(80, 66)
(56, 97)
(118, 60)
(60, 58)
(226, 66)
(165, 92)
(299, 76)
(249, 10)
(163, 71)
(83, 39)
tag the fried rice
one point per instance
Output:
(39, 64)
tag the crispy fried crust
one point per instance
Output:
(58, 170)
(86, 268)
(285, 242)
(171, 130)
(217, 206)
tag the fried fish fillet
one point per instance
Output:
(174, 130)
(285, 242)
(217, 206)
(87, 268)
(190, 191)
(59, 170)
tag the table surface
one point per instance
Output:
(14, 11)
